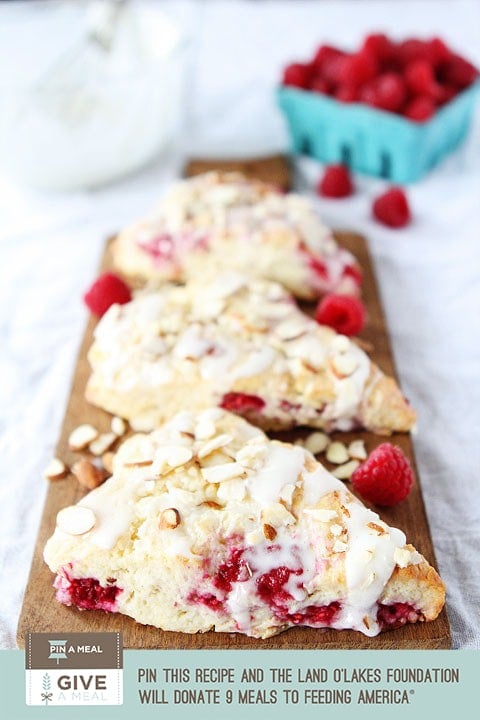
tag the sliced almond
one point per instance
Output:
(269, 532)
(103, 443)
(107, 461)
(339, 546)
(55, 470)
(336, 529)
(169, 519)
(88, 475)
(277, 515)
(376, 528)
(76, 519)
(177, 455)
(138, 463)
(345, 471)
(344, 365)
(205, 429)
(337, 453)
(316, 442)
(211, 504)
(119, 426)
(290, 329)
(82, 436)
(214, 444)
(226, 471)
(340, 343)
(357, 450)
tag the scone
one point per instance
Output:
(206, 524)
(243, 345)
(219, 221)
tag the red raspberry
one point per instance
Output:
(439, 51)
(325, 54)
(107, 290)
(392, 209)
(242, 403)
(413, 49)
(335, 182)
(343, 313)
(446, 93)
(346, 93)
(420, 108)
(358, 69)
(459, 72)
(385, 478)
(298, 75)
(379, 45)
(420, 78)
(320, 85)
(386, 92)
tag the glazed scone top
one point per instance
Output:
(232, 334)
(242, 224)
(204, 481)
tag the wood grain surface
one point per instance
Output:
(41, 613)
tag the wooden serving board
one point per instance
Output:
(41, 613)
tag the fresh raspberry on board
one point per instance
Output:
(343, 313)
(107, 290)
(335, 182)
(392, 208)
(385, 478)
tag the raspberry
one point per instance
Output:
(396, 615)
(458, 72)
(385, 478)
(107, 290)
(346, 93)
(335, 182)
(328, 62)
(319, 84)
(270, 586)
(343, 313)
(386, 92)
(446, 93)
(413, 49)
(392, 209)
(242, 403)
(439, 51)
(420, 108)
(297, 75)
(358, 69)
(88, 594)
(420, 78)
(379, 45)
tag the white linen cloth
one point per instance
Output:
(429, 273)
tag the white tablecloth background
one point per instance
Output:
(429, 274)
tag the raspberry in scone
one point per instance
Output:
(219, 221)
(206, 524)
(243, 345)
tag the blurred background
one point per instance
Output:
(101, 104)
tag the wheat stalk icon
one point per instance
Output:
(46, 695)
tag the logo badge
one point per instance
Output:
(74, 669)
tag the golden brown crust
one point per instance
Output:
(385, 410)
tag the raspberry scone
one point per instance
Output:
(206, 524)
(223, 221)
(243, 345)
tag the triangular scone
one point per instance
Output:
(241, 344)
(224, 221)
(206, 524)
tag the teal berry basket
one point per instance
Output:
(372, 141)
